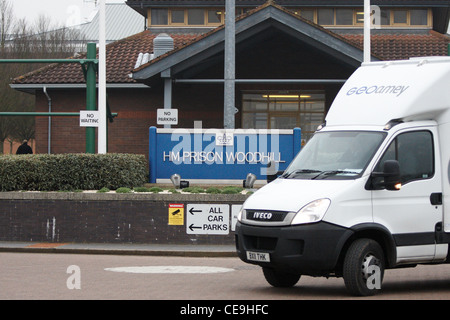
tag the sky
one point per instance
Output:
(66, 12)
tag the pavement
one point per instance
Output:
(186, 250)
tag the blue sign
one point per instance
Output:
(220, 154)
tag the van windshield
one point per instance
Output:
(335, 155)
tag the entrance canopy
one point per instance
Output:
(298, 40)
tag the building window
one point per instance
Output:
(215, 16)
(325, 16)
(159, 16)
(284, 110)
(186, 17)
(196, 17)
(328, 17)
(385, 17)
(400, 17)
(177, 16)
(344, 17)
(308, 14)
(354, 17)
(418, 17)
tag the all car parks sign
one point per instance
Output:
(208, 219)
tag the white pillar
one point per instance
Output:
(102, 132)
(367, 24)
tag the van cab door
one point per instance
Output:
(411, 213)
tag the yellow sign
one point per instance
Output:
(176, 214)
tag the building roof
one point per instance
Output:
(120, 61)
(122, 54)
(405, 46)
(315, 3)
(121, 22)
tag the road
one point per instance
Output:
(36, 276)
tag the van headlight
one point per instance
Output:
(312, 212)
(240, 214)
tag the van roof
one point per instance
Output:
(406, 90)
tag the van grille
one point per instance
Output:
(269, 216)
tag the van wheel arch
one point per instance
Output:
(377, 233)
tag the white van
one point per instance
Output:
(370, 191)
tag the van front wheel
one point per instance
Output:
(363, 267)
(279, 278)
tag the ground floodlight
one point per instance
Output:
(249, 181)
(175, 178)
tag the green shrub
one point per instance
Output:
(194, 190)
(155, 189)
(123, 190)
(231, 190)
(43, 172)
(213, 190)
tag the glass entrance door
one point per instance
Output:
(284, 110)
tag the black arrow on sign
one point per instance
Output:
(192, 227)
(192, 211)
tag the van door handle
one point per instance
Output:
(436, 198)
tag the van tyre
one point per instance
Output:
(363, 267)
(279, 278)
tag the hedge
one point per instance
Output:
(55, 172)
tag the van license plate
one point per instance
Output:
(258, 256)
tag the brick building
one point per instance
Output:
(280, 48)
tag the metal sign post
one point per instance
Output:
(229, 70)
(367, 25)
(91, 92)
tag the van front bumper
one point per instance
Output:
(310, 249)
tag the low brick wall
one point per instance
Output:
(103, 217)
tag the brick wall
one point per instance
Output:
(136, 110)
(101, 218)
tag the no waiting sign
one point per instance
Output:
(89, 118)
(208, 219)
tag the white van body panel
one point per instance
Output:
(350, 203)
(378, 92)
(415, 254)
(407, 90)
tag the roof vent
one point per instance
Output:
(143, 58)
(161, 44)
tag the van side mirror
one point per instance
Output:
(272, 172)
(388, 179)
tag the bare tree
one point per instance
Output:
(21, 40)
(6, 23)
